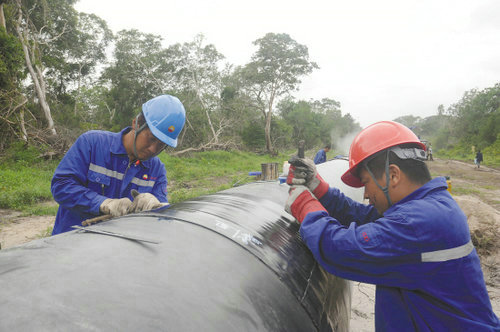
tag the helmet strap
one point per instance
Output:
(136, 132)
(385, 189)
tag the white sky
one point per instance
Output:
(380, 59)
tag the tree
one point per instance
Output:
(198, 74)
(11, 73)
(476, 117)
(91, 38)
(42, 27)
(138, 73)
(316, 121)
(275, 69)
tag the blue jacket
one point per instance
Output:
(419, 254)
(320, 157)
(97, 167)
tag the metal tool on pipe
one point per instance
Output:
(123, 236)
(296, 160)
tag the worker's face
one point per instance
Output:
(373, 193)
(147, 145)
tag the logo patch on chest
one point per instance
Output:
(365, 237)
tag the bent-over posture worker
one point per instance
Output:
(412, 241)
(321, 154)
(98, 173)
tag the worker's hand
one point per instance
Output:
(303, 172)
(300, 202)
(144, 202)
(115, 206)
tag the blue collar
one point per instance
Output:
(438, 183)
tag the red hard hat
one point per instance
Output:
(375, 138)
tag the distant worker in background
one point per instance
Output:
(479, 158)
(413, 241)
(321, 155)
(429, 152)
(102, 171)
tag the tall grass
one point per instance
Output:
(25, 179)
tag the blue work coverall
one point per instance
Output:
(419, 255)
(320, 157)
(97, 167)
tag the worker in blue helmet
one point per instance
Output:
(118, 173)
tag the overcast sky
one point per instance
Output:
(380, 59)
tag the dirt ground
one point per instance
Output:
(477, 191)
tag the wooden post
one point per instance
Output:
(269, 171)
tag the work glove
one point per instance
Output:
(303, 172)
(144, 202)
(301, 201)
(115, 206)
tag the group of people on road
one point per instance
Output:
(412, 241)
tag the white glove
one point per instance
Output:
(144, 202)
(305, 173)
(115, 206)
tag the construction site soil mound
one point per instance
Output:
(476, 190)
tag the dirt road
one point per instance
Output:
(477, 191)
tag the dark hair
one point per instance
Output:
(416, 170)
(328, 146)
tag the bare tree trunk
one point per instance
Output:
(198, 94)
(36, 76)
(78, 93)
(24, 133)
(2, 17)
(267, 129)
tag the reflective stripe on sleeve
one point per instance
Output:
(105, 171)
(448, 254)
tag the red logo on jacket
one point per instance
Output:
(365, 237)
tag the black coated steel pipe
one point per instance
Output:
(231, 261)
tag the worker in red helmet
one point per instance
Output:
(118, 173)
(412, 241)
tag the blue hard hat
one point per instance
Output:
(165, 116)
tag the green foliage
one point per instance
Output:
(11, 60)
(491, 153)
(23, 185)
(276, 69)
(459, 190)
(137, 73)
(253, 135)
(467, 152)
(317, 122)
(458, 152)
(477, 117)
(20, 153)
